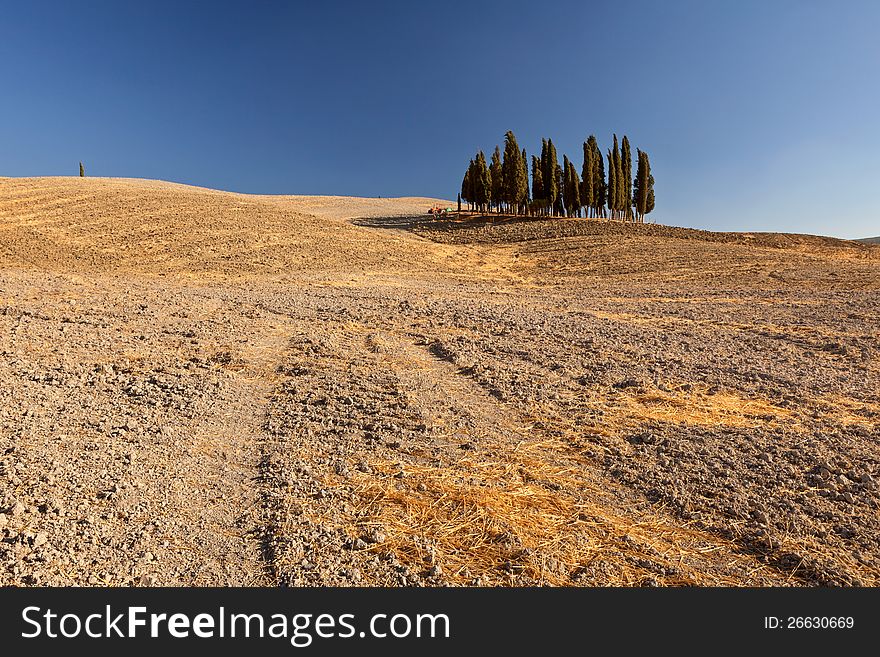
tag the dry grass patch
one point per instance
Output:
(849, 412)
(739, 301)
(697, 407)
(531, 519)
(624, 411)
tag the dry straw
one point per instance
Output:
(529, 520)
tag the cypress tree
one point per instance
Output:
(640, 188)
(601, 188)
(509, 168)
(552, 182)
(617, 190)
(587, 193)
(466, 184)
(497, 179)
(482, 183)
(626, 177)
(545, 181)
(559, 176)
(515, 183)
(537, 181)
(588, 186)
(522, 182)
(82, 170)
(618, 180)
(649, 201)
(566, 184)
(571, 188)
(474, 180)
(489, 188)
(472, 176)
(611, 193)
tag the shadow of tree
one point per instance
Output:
(451, 223)
(399, 223)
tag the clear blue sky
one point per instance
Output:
(758, 115)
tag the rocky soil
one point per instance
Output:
(201, 388)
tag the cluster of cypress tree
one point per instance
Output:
(503, 185)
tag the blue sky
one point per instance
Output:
(756, 115)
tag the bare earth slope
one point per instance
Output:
(201, 387)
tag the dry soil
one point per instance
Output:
(207, 388)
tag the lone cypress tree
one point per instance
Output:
(497, 179)
(626, 178)
(649, 202)
(82, 170)
(537, 181)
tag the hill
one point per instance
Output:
(111, 224)
(870, 240)
(207, 388)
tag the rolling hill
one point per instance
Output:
(208, 388)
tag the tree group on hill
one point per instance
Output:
(558, 190)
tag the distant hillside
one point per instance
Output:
(114, 224)
(495, 229)
(869, 240)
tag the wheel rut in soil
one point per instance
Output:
(393, 466)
